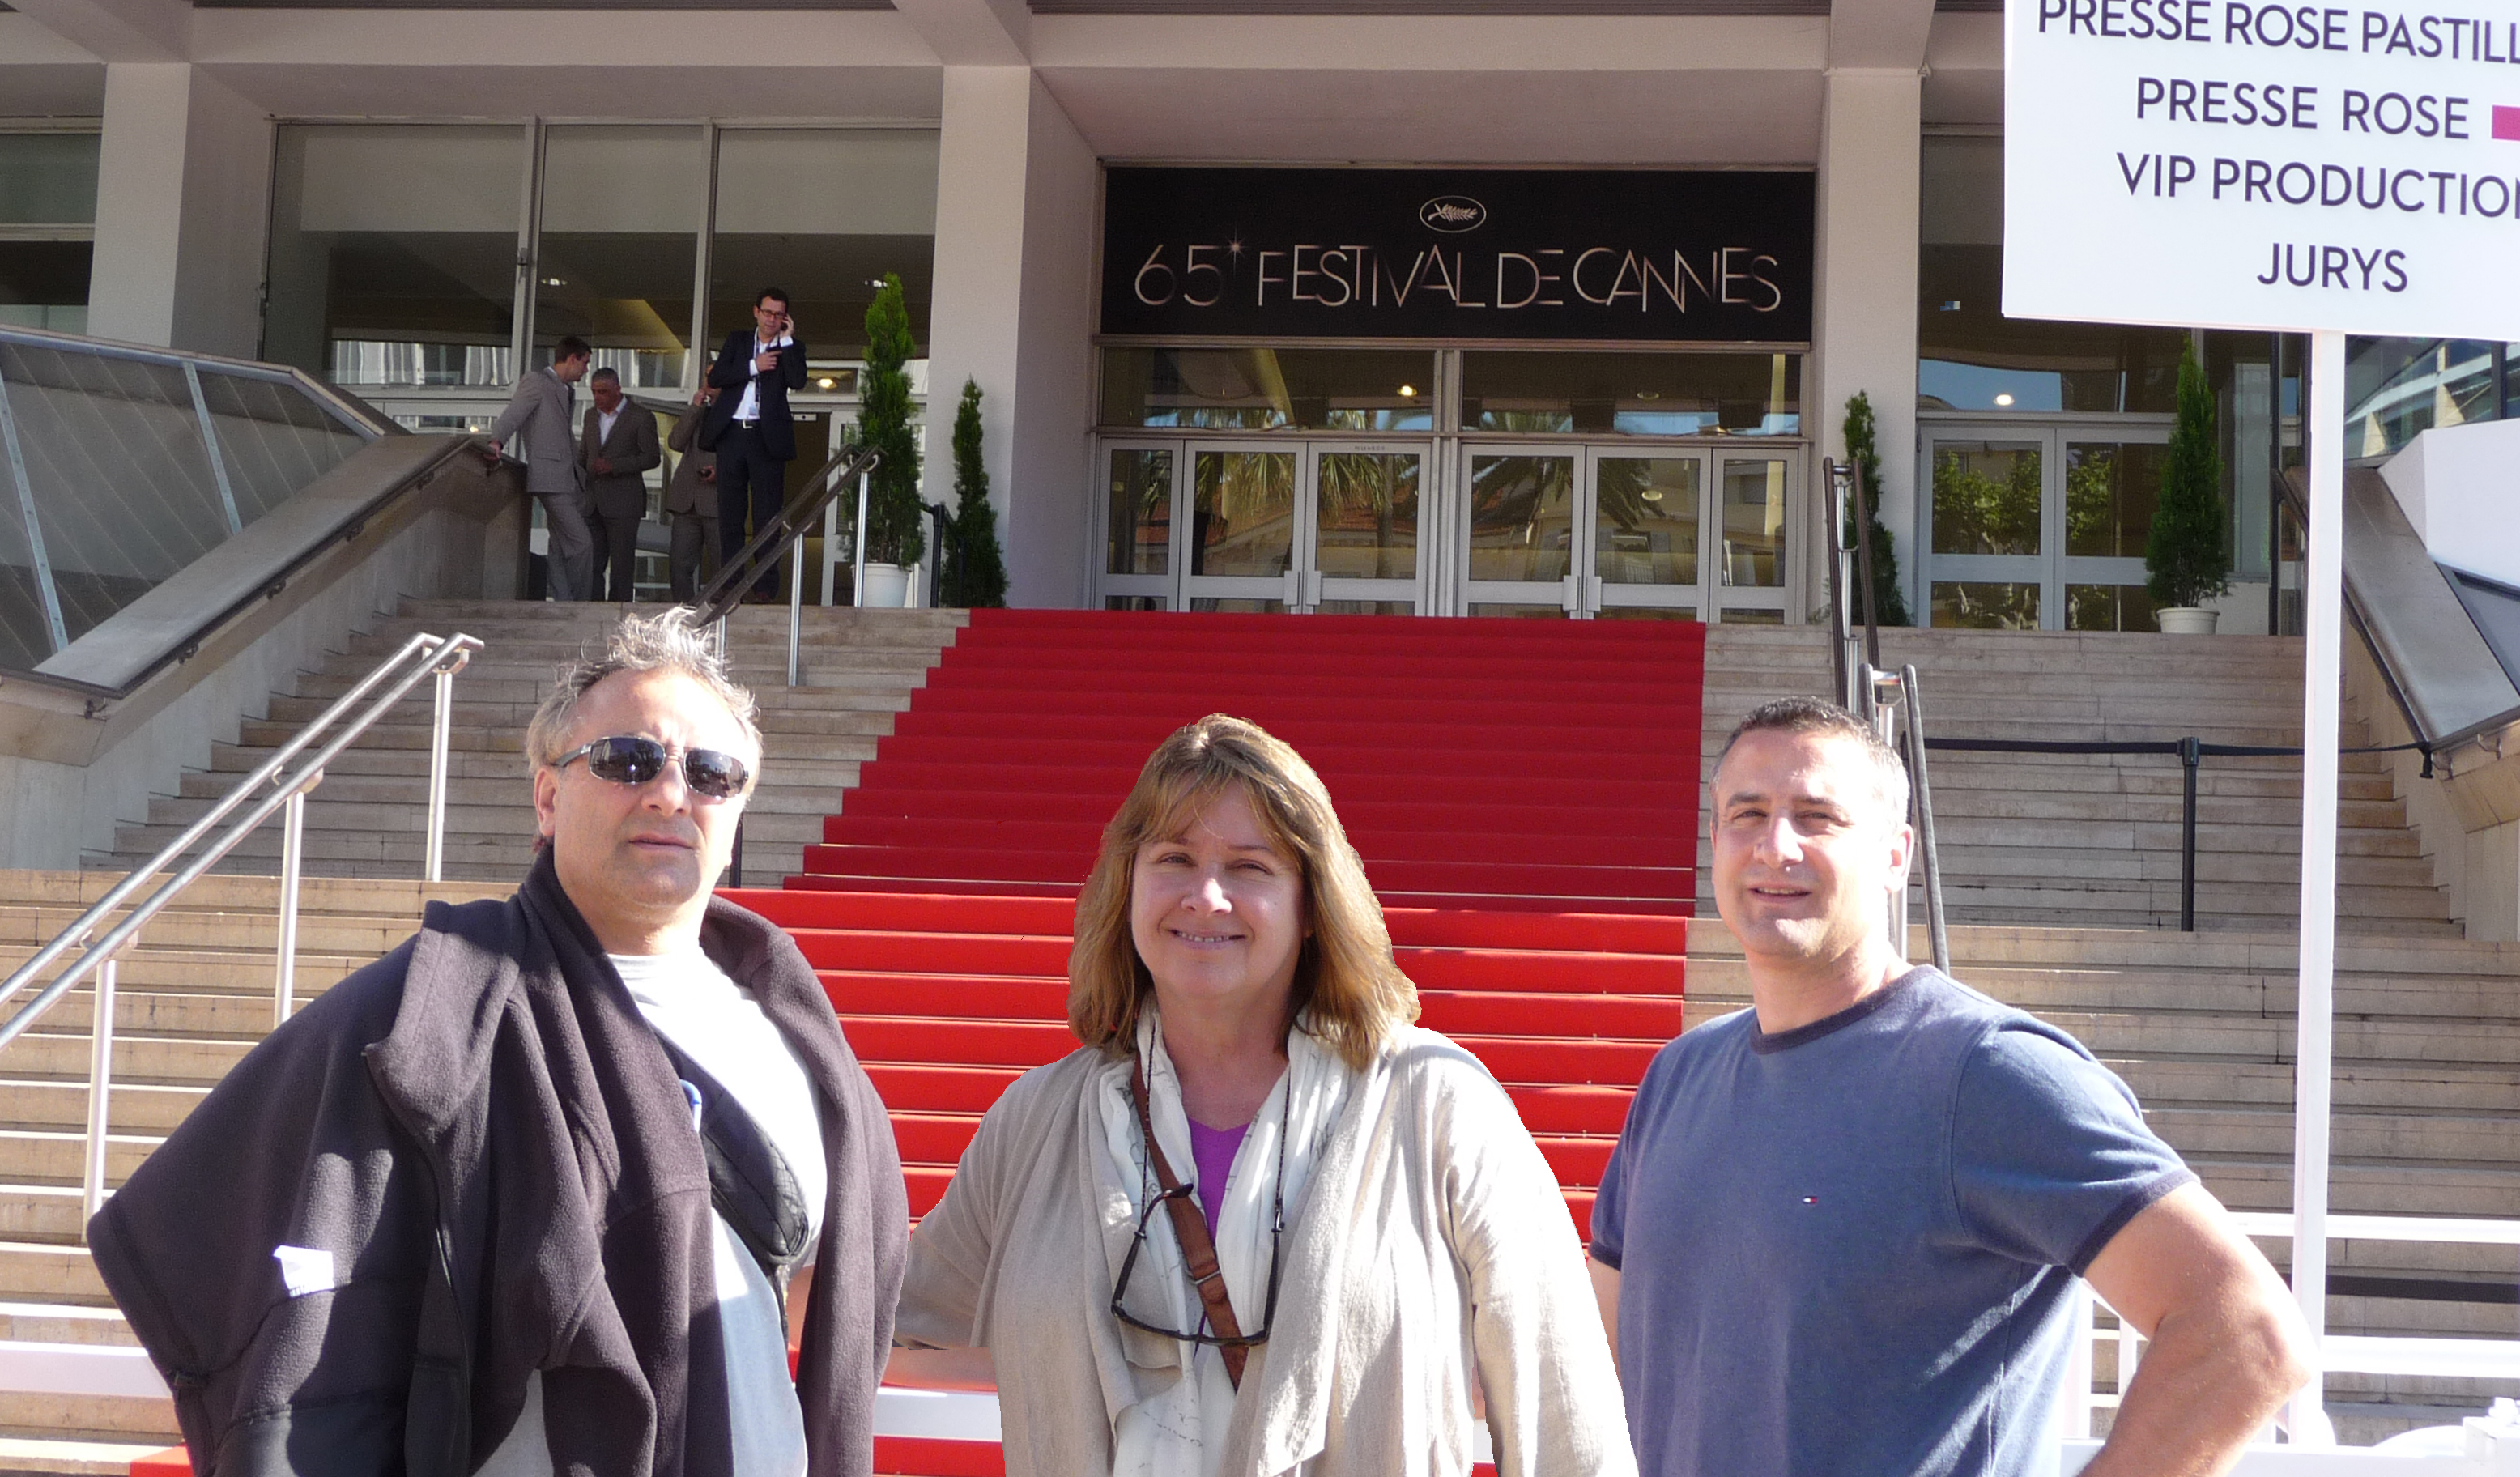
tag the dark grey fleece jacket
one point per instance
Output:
(491, 1144)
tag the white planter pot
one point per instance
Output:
(2187, 620)
(886, 585)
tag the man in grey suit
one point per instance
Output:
(544, 411)
(691, 503)
(617, 447)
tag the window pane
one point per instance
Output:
(1207, 605)
(1369, 516)
(1986, 496)
(1243, 513)
(46, 180)
(1141, 528)
(2108, 607)
(621, 220)
(1754, 617)
(1969, 355)
(1522, 518)
(1366, 607)
(1633, 394)
(393, 252)
(1646, 512)
(1520, 613)
(1987, 607)
(1652, 612)
(2110, 491)
(1132, 602)
(1269, 389)
(2397, 388)
(823, 212)
(1754, 525)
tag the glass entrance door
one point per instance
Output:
(1263, 526)
(2040, 527)
(1614, 532)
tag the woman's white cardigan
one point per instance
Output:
(1432, 1242)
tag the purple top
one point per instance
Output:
(1212, 1150)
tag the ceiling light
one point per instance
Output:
(555, 282)
(1651, 494)
(826, 383)
(2003, 399)
(1408, 392)
(1649, 394)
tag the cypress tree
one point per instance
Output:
(892, 534)
(1889, 604)
(976, 573)
(2185, 558)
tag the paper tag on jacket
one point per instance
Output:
(305, 1270)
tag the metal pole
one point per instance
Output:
(795, 611)
(1830, 472)
(1883, 717)
(293, 855)
(1864, 565)
(2189, 755)
(2322, 612)
(1937, 930)
(435, 869)
(100, 1087)
(857, 548)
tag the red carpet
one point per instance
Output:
(1525, 794)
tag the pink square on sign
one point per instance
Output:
(2507, 124)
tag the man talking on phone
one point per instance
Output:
(750, 427)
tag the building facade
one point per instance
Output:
(1543, 307)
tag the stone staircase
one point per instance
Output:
(367, 819)
(2056, 876)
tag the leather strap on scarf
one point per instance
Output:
(1190, 1228)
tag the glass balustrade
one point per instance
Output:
(120, 466)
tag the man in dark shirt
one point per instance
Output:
(1842, 1229)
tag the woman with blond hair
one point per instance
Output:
(1259, 1223)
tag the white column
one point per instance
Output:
(1864, 336)
(182, 205)
(1012, 309)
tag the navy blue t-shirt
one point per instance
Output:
(1848, 1248)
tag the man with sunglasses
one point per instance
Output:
(551, 1187)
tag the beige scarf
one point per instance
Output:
(1176, 1428)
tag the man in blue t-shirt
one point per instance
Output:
(1840, 1231)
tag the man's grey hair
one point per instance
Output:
(671, 641)
(1812, 716)
(607, 372)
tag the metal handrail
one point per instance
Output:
(422, 655)
(786, 535)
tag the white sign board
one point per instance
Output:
(2241, 164)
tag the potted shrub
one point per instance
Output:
(892, 534)
(2185, 560)
(1889, 602)
(975, 572)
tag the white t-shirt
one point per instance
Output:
(748, 408)
(717, 1023)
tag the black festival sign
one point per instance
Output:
(1709, 256)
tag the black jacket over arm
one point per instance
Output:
(730, 371)
(491, 1143)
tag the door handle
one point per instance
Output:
(1312, 587)
(1294, 589)
(1570, 597)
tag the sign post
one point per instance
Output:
(2256, 164)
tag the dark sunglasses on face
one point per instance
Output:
(624, 759)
